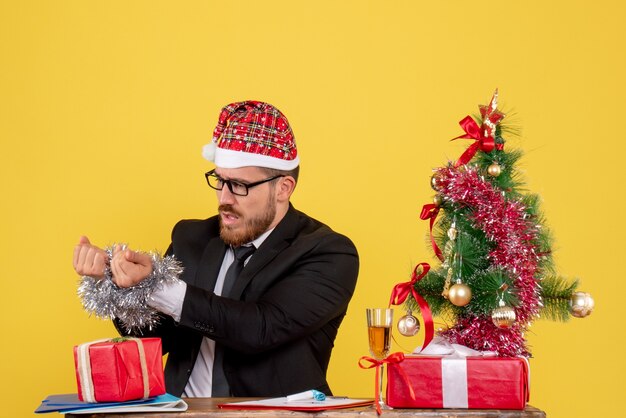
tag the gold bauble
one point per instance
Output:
(581, 304)
(438, 200)
(503, 316)
(494, 170)
(434, 182)
(459, 294)
(408, 325)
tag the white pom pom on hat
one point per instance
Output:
(208, 151)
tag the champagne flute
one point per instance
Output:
(379, 322)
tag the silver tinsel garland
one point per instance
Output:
(104, 299)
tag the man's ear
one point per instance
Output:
(285, 188)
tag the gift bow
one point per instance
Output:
(392, 358)
(402, 290)
(441, 347)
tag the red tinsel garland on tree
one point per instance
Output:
(513, 232)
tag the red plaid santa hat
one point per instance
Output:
(255, 134)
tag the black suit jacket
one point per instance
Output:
(279, 324)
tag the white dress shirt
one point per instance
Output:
(169, 301)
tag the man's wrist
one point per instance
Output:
(131, 304)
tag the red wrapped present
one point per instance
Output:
(458, 382)
(118, 370)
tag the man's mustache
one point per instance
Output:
(228, 208)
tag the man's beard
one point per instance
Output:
(252, 227)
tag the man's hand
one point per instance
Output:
(129, 267)
(89, 260)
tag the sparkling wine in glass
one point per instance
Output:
(379, 322)
(379, 339)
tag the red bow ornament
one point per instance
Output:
(430, 211)
(484, 134)
(402, 290)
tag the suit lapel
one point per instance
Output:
(210, 263)
(275, 243)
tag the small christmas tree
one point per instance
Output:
(496, 274)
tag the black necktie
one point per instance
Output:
(241, 254)
(220, 387)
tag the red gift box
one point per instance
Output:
(119, 370)
(467, 382)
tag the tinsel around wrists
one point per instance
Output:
(104, 299)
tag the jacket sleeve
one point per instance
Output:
(304, 288)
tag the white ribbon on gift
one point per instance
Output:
(453, 369)
(84, 369)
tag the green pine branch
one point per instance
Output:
(556, 293)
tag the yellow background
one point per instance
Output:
(104, 107)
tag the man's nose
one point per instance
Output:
(225, 196)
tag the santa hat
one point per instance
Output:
(255, 134)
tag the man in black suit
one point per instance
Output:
(268, 329)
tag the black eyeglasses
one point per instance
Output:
(236, 187)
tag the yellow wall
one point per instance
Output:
(104, 107)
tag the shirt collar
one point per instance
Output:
(257, 242)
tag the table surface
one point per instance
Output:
(208, 407)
